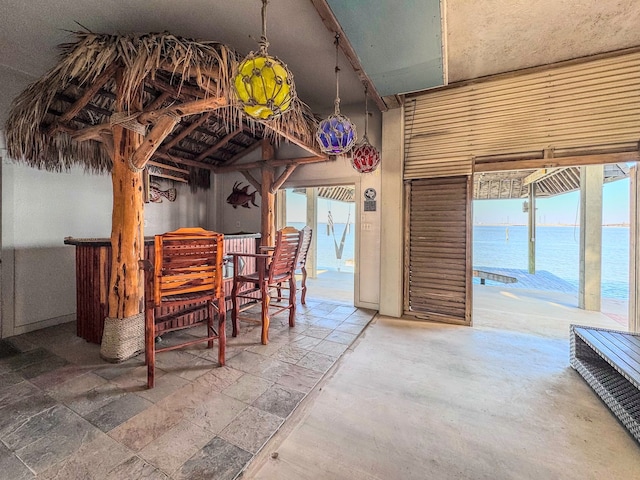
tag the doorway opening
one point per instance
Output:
(330, 212)
(542, 288)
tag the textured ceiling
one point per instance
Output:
(494, 36)
(399, 44)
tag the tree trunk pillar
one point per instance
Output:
(123, 335)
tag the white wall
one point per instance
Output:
(239, 219)
(40, 209)
(368, 224)
(392, 236)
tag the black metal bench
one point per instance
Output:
(609, 360)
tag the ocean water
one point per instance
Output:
(557, 251)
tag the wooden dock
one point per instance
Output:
(541, 280)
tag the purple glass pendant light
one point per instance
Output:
(365, 158)
(336, 134)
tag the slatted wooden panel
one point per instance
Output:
(93, 271)
(188, 264)
(438, 282)
(239, 245)
(575, 106)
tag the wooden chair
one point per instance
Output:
(301, 263)
(271, 269)
(185, 290)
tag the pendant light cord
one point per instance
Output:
(366, 113)
(264, 44)
(337, 101)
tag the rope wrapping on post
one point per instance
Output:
(128, 121)
(123, 338)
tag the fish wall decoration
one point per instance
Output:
(240, 196)
(155, 194)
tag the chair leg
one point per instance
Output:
(279, 290)
(150, 346)
(235, 309)
(303, 295)
(222, 335)
(264, 291)
(210, 316)
(292, 301)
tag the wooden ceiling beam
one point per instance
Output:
(91, 133)
(272, 163)
(169, 177)
(184, 109)
(562, 180)
(251, 179)
(538, 175)
(167, 167)
(283, 177)
(162, 127)
(214, 148)
(183, 92)
(556, 162)
(293, 139)
(185, 132)
(157, 103)
(88, 94)
(182, 161)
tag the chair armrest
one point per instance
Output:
(267, 249)
(253, 255)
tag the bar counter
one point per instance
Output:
(93, 270)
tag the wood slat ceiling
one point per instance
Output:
(199, 142)
(551, 182)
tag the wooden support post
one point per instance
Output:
(312, 221)
(123, 334)
(127, 240)
(268, 226)
(634, 251)
(590, 275)
(532, 228)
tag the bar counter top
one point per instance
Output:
(103, 242)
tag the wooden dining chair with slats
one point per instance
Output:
(272, 269)
(184, 290)
(301, 265)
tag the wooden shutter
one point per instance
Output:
(438, 277)
(587, 106)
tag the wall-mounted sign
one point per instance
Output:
(370, 200)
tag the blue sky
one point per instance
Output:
(561, 209)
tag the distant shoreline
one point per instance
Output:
(615, 225)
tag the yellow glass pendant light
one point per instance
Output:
(263, 84)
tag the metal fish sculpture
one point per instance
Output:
(155, 194)
(240, 196)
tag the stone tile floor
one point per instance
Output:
(67, 414)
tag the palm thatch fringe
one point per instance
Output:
(204, 67)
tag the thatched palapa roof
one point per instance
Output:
(63, 119)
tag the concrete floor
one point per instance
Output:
(417, 400)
